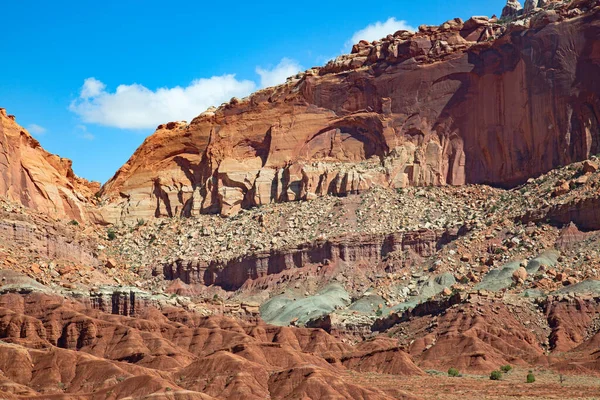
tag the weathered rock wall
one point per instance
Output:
(46, 242)
(473, 102)
(37, 179)
(233, 274)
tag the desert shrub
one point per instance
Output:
(506, 368)
(453, 372)
(496, 375)
(111, 234)
(73, 222)
(530, 377)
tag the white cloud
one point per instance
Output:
(36, 129)
(92, 87)
(278, 75)
(379, 30)
(137, 107)
(83, 132)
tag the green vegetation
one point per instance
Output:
(73, 222)
(506, 368)
(496, 375)
(111, 234)
(453, 372)
(530, 377)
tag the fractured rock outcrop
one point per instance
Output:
(513, 8)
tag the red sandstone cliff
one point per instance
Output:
(37, 179)
(480, 101)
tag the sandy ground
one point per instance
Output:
(439, 386)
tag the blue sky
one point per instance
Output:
(90, 80)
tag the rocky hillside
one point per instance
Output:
(37, 179)
(63, 349)
(494, 101)
(453, 225)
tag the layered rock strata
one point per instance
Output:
(232, 274)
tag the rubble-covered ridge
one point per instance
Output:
(280, 226)
(450, 105)
(381, 241)
(466, 231)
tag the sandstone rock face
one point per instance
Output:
(512, 9)
(585, 213)
(37, 179)
(444, 106)
(530, 5)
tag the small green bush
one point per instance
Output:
(530, 377)
(111, 234)
(73, 222)
(453, 372)
(506, 368)
(496, 375)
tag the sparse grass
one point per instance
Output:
(453, 372)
